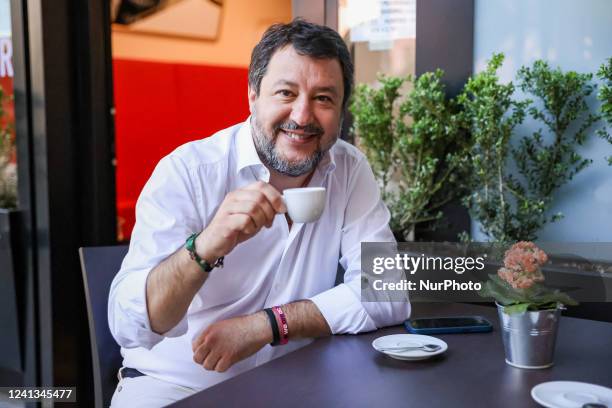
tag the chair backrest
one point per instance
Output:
(99, 266)
(11, 340)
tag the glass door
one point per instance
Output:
(382, 36)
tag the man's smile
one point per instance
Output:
(298, 137)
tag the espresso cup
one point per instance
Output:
(304, 204)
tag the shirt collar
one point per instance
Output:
(327, 163)
(246, 154)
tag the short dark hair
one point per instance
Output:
(308, 39)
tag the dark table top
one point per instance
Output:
(345, 371)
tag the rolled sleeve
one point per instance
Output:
(366, 220)
(165, 216)
(128, 316)
(342, 310)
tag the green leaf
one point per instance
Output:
(516, 308)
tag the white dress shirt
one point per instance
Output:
(276, 266)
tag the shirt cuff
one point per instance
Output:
(129, 317)
(343, 311)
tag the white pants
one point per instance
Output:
(147, 392)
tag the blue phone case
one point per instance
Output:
(483, 327)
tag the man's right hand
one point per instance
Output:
(241, 215)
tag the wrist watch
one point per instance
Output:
(190, 247)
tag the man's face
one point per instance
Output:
(297, 116)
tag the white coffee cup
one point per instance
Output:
(304, 204)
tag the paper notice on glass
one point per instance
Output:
(385, 20)
(380, 45)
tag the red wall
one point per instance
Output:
(160, 106)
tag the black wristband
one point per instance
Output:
(274, 324)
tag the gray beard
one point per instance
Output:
(266, 149)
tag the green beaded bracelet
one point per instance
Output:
(190, 247)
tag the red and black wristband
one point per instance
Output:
(283, 327)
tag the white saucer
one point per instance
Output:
(570, 394)
(399, 340)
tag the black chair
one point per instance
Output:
(11, 339)
(99, 265)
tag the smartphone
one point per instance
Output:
(442, 325)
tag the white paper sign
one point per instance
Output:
(6, 58)
(388, 20)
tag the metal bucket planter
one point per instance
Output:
(529, 338)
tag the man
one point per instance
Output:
(184, 327)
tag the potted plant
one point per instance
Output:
(529, 311)
(547, 163)
(513, 207)
(415, 146)
(491, 115)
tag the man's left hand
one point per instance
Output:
(226, 342)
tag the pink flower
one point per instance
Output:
(522, 265)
